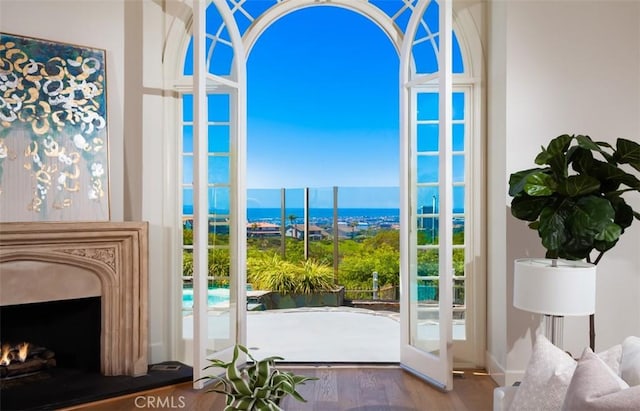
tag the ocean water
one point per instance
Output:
(273, 214)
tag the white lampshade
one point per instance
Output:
(566, 289)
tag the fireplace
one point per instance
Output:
(64, 333)
(98, 268)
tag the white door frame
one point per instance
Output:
(242, 46)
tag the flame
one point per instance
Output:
(4, 358)
(23, 350)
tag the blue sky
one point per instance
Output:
(323, 103)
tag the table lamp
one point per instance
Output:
(554, 288)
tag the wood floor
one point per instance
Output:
(339, 388)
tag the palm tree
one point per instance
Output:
(353, 224)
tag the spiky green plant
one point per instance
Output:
(314, 276)
(271, 272)
(258, 386)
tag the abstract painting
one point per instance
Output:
(53, 131)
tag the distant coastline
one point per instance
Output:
(321, 215)
(364, 214)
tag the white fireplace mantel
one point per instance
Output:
(62, 260)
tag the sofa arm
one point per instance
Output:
(502, 397)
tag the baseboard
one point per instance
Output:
(499, 374)
(495, 369)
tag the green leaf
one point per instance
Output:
(576, 248)
(582, 160)
(559, 165)
(603, 246)
(555, 150)
(543, 157)
(628, 152)
(559, 144)
(578, 185)
(234, 376)
(624, 212)
(613, 176)
(590, 216)
(264, 373)
(610, 233)
(528, 208)
(585, 221)
(217, 363)
(586, 143)
(540, 184)
(250, 357)
(519, 179)
(604, 144)
(552, 229)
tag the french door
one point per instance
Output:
(426, 267)
(426, 291)
(219, 199)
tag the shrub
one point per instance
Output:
(271, 272)
(357, 269)
(219, 265)
(314, 276)
(187, 262)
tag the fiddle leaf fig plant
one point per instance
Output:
(258, 386)
(574, 199)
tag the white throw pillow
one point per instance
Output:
(595, 386)
(612, 357)
(630, 362)
(546, 379)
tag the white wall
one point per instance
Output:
(134, 124)
(160, 142)
(496, 166)
(558, 67)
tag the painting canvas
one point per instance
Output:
(53, 131)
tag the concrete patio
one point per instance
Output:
(325, 334)
(322, 334)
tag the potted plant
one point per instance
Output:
(259, 386)
(306, 283)
(574, 200)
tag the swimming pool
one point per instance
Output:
(216, 297)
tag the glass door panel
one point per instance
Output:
(427, 194)
(426, 347)
(221, 286)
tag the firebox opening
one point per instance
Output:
(69, 328)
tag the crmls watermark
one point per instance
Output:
(155, 402)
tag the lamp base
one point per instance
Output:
(554, 325)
